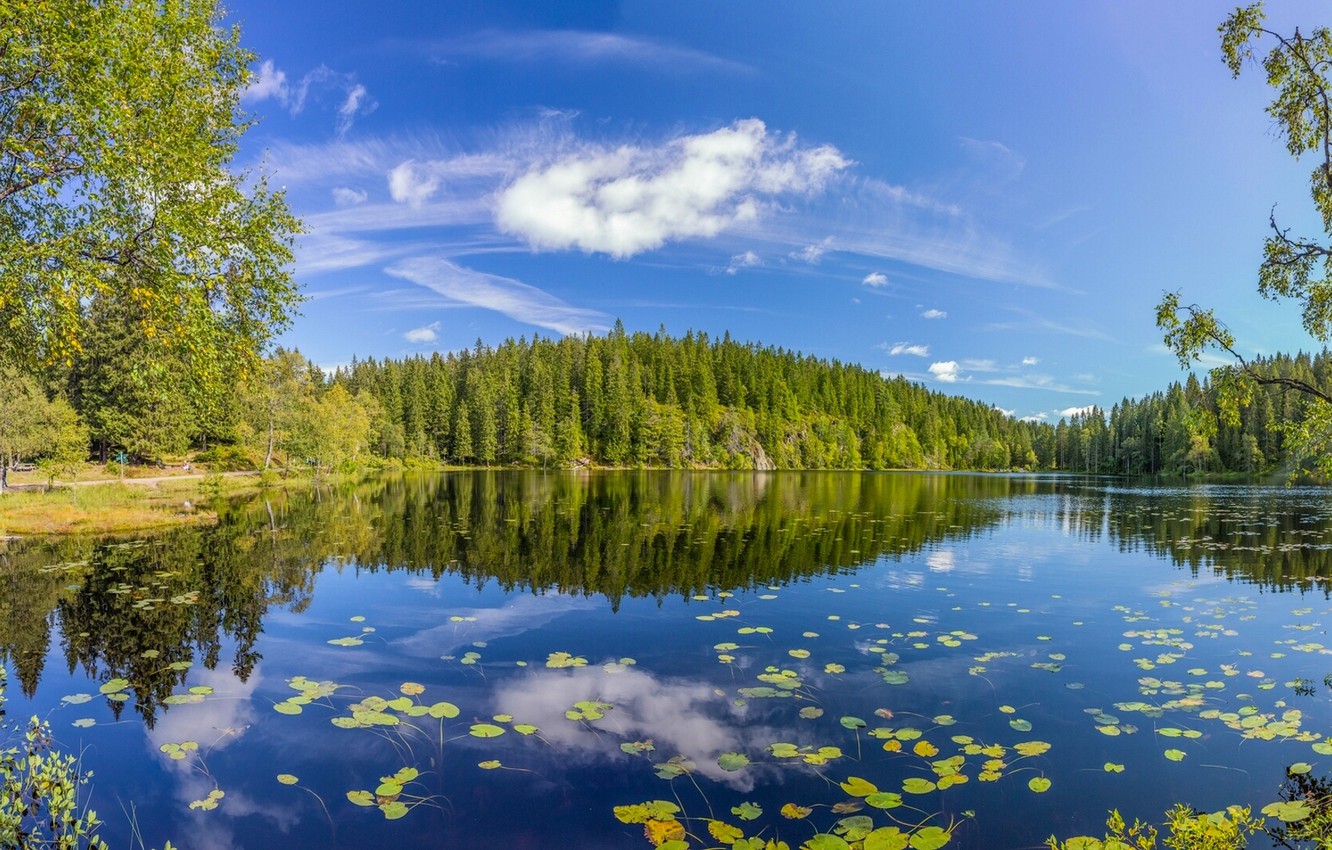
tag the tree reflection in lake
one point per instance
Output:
(926, 563)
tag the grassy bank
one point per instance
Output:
(106, 509)
(94, 502)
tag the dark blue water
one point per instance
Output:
(662, 632)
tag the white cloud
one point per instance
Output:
(979, 365)
(510, 297)
(934, 314)
(271, 84)
(1068, 412)
(344, 197)
(1004, 411)
(429, 333)
(411, 184)
(1036, 417)
(628, 200)
(909, 348)
(1037, 382)
(357, 103)
(1001, 161)
(583, 47)
(945, 371)
(812, 254)
(875, 279)
(1030, 361)
(747, 260)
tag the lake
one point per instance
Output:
(501, 659)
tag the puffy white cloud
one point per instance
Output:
(1004, 411)
(1068, 412)
(909, 348)
(513, 298)
(344, 197)
(875, 279)
(628, 200)
(747, 260)
(269, 82)
(429, 333)
(1036, 417)
(946, 371)
(1030, 361)
(934, 314)
(413, 184)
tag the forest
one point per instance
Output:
(619, 400)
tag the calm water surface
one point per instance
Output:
(499, 660)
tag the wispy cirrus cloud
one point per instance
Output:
(1038, 382)
(1035, 322)
(513, 298)
(582, 47)
(272, 83)
(747, 260)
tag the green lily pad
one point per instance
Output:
(929, 838)
(886, 838)
(485, 730)
(1288, 811)
(361, 798)
(916, 785)
(732, 761)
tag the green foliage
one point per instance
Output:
(120, 122)
(33, 426)
(1312, 826)
(1297, 268)
(1185, 829)
(39, 791)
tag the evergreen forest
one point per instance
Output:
(621, 400)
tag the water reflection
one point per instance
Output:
(148, 610)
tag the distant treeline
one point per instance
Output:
(653, 400)
(632, 400)
(1181, 430)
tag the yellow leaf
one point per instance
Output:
(658, 832)
(925, 749)
(724, 832)
(794, 812)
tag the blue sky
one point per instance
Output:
(988, 198)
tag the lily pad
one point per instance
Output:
(732, 761)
